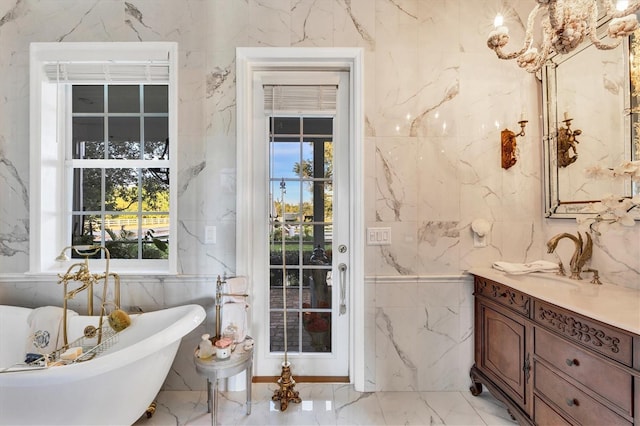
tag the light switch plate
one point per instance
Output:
(378, 236)
(209, 234)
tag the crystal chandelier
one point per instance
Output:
(565, 25)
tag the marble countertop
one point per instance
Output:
(611, 304)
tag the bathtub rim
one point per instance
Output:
(188, 317)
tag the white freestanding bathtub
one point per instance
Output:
(114, 388)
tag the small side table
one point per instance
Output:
(214, 369)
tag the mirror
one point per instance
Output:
(588, 99)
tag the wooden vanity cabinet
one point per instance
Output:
(503, 346)
(552, 366)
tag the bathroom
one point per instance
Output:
(435, 101)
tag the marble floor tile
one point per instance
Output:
(330, 404)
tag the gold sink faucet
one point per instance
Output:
(582, 253)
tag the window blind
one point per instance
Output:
(297, 98)
(86, 72)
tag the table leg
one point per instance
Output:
(209, 395)
(214, 418)
(249, 374)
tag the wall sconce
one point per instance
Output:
(567, 142)
(508, 144)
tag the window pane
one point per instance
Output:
(285, 157)
(285, 125)
(156, 98)
(328, 159)
(88, 138)
(122, 236)
(155, 236)
(88, 98)
(124, 138)
(124, 98)
(156, 138)
(317, 332)
(85, 229)
(276, 327)
(121, 190)
(317, 199)
(87, 190)
(317, 154)
(317, 126)
(306, 171)
(155, 193)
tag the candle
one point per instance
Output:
(498, 21)
(566, 115)
(522, 116)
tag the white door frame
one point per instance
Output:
(249, 60)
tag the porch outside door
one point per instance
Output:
(306, 200)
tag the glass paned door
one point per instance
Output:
(301, 233)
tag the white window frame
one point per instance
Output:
(50, 186)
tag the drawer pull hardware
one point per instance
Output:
(571, 362)
(503, 294)
(572, 401)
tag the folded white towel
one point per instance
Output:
(235, 314)
(236, 285)
(525, 268)
(46, 325)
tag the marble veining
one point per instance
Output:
(78, 24)
(387, 328)
(359, 27)
(15, 12)
(432, 231)
(217, 78)
(14, 235)
(188, 175)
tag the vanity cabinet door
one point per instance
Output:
(501, 352)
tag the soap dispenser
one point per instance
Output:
(205, 349)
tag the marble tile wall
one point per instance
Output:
(436, 99)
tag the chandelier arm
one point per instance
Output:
(632, 8)
(599, 44)
(609, 6)
(511, 55)
(552, 12)
(527, 39)
(593, 22)
(536, 65)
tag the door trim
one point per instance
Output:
(250, 60)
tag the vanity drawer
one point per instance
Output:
(575, 403)
(612, 383)
(503, 295)
(592, 334)
(543, 414)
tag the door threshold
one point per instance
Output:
(303, 379)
